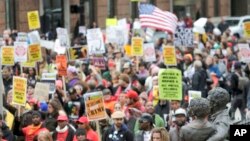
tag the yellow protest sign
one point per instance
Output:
(247, 29)
(9, 119)
(33, 20)
(127, 49)
(19, 90)
(137, 46)
(7, 56)
(28, 64)
(170, 84)
(111, 22)
(169, 56)
(35, 53)
(95, 106)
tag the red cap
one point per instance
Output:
(132, 94)
(62, 118)
(83, 119)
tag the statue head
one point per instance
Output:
(199, 108)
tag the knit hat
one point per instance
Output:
(43, 106)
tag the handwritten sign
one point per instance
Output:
(149, 52)
(137, 46)
(20, 51)
(35, 53)
(76, 53)
(19, 90)
(95, 106)
(41, 91)
(95, 41)
(61, 63)
(7, 56)
(169, 56)
(184, 37)
(170, 84)
(34, 20)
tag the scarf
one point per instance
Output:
(62, 130)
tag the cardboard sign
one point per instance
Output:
(19, 90)
(99, 62)
(95, 41)
(20, 51)
(7, 56)
(82, 29)
(193, 95)
(244, 53)
(170, 84)
(111, 22)
(78, 53)
(41, 92)
(28, 64)
(62, 35)
(247, 29)
(94, 104)
(22, 37)
(47, 44)
(35, 53)
(61, 63)
(184, 37)
(169, 56)
(34, 20)
(34, 37)
(149, 52)
(137, 46)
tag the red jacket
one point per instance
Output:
(31, 131)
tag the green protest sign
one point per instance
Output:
(170, 84)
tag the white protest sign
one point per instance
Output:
(22, 37)
(41, 91)
(95, 41)
(82, 29)
(193, 95)
(48, 44)
(244, 52)
(123, 24)
(20, 51)
(58, 49)
(62, 35)
(34, 37)
(149, 52)
(136, 25)
(115, 34)
(184, 37)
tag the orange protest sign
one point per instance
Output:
(169, 56)
(35, 53)
(95, 106)
(127, 49)
(247, 29)
(61, 63)
(137, 46)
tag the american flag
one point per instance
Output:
(153, 17)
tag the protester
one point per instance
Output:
(44, 136)
(159, 134)
(7, 78)
(81, 135)
(6, 132)
(83, 123)
(145, 127)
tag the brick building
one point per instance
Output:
(66, 13)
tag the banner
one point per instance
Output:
(19, 91)
(137, 46)
(20, 51)
(184, 37)
(76, 53)
(169, 56)
(35, 53)
(7, 56)
(170, 84)
(247, 29)
(28, 64)
(95, 41)
(34, 37)
(94, 104)
(33, 20)
(244, 53)
(193, 95)
(149, 52)
(111, 22)
(61, 63)
(62, 35)
(41, 92)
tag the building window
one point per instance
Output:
(111, 8)
(134, 12)
(92, 5)
(216, 7)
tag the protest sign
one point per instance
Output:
(61, 63)
(47, 44)
(122, 23)
(247, 29)
(116, 34)
(244, 53)
(137, 46)
(28, 64)
(95, 41)
(22, 37)
(137, 25)
(20, 51)
(41, 92)
(170, 84)
(33, 20)
(193, 95)
(35, 53)
(99, 62)
(78, 53)
(9, 119)
(34, 37)
(82, 30)
(58, 49)
(2, 42)
(7, 56)
(111, 22)
(94, 104)
(62, 35)
(49, 78)
(19, 90)
(149, 52)
(169, 56)
(183, 37)
(127, 49)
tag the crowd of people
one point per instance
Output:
(134, 110)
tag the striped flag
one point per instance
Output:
(153, 17)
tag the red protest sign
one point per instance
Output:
(61, 63)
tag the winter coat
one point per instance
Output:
(122, 135)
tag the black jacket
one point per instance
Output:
(122, 135)
(7, 134)
(199, 81)
(70, 136)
